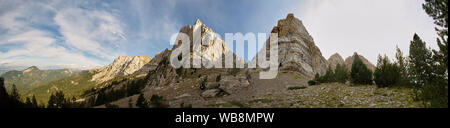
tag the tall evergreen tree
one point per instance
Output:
(402, 64)
(329, 76)
(435, 87)
(360, 74)
(386, 73)
(14, 93)
(429, 84)
(34, 102)
(4, 97)
(51, 101)
(420, 60)
(340, 73)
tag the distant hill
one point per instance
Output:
(3, 71)
(76, 84)
(71, 86)
(33, 77)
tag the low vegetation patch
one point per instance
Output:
(296, 87)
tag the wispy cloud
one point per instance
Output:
(58, 34)
(96, 32)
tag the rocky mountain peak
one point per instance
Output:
(198, 22)
(291, 26)
(32, 68)
(296, 48)
(122, 66)
(121, 58)
(334, 60)
(212, 46)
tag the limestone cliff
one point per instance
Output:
(334, 60)
(296, 48)
(122, 66)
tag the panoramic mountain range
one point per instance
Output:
(127, 78)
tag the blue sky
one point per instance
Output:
(87, 33)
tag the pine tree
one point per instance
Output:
(329, 76)
(317, 76)
(386, 73)
(4, 97)
(15, 94)
(402, 64)
(51, 101)
(340, 73)
(435, 88)
(34, 102)
(28, 103)
(420, 60)
(360, 74)
(61, 101)
(430, 84)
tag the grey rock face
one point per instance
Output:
(162, 73)
(122, 66)
(211, 93)
(334, 60)
(349, 62)
(296, 49)
(232, 84)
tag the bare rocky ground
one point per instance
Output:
(288, 90)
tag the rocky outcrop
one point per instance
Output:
(122, 66)
(349, 62)
(233, 84)
(213, 48)
(162, 73)
(211, 93)
(296, 49)
(230, 84)
(334, 60)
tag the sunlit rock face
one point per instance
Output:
(122, 66)
(296, 49)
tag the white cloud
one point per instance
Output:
(91, 31)
(369, 27)
(53, 34)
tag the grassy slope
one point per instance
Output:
(27, 81)
(336, 95)
(71, 86)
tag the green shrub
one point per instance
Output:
(218, 78)
(296, 87)
(157, 101)
(203, 83)
(312, 82)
